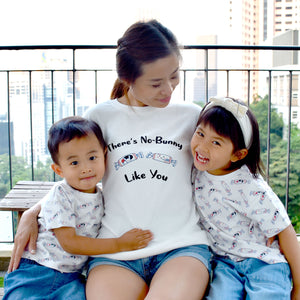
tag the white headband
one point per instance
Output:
(240, 113)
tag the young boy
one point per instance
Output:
(70, 218)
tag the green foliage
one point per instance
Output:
(279, 159)
(21, 170)
(43, 172)
(260, 110)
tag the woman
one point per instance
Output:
(148, 179)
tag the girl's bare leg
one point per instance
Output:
(108, 282)
(180, 278)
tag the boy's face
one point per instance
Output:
(81, 163)
(212, 153)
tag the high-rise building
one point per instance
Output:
(286, 15)
(200, 78)
(278, 17)
(239, 25)
(5, 139)
(282, 24)
(249, 36)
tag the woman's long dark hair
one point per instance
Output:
(143, 42)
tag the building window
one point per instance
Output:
(295, 81)
(294, 114)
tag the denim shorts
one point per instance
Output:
(32, 281)
(147, 267)
(249, 279)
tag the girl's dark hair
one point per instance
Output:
(226, 125)
(143, 42)
(69, 128)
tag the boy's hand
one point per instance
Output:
(134, 239)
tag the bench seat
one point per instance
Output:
(24, 195)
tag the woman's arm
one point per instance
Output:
(82, 245)
(290, 247)
(26, 235)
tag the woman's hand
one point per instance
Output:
(26, 235)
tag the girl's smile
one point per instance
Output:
(201, 159)
(212, 152)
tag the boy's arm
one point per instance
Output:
(26, 235)
(82, 245)
(290, 247)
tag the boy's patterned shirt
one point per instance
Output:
(66, 207)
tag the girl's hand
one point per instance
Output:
(26, 235)
(134, 239)
(271, 240)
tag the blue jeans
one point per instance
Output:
(32, 281)
(249, 279)
(147, 267)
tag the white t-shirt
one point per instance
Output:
(240, 213)
(147, 183)
(64, 206)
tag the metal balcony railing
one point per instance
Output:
(41, 84)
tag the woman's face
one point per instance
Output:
(156, 84)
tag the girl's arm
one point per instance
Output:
(82, 245)
(290, 247)
(26, 235)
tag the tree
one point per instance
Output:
(43, 172)
(21, 171)
(278, 158)
(260, 110)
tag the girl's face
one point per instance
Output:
(81, 163)
(157, 83)
(212, 152)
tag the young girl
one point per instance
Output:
(70, 218)
(147, 183)
(239, 210)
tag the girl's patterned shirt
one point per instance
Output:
(239, 213)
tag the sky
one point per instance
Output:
(95, 22)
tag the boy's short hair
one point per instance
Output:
(69, 128)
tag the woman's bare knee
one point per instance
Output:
(180, 278)
(108, 282)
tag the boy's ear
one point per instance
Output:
(56, 168)
(238, 155)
